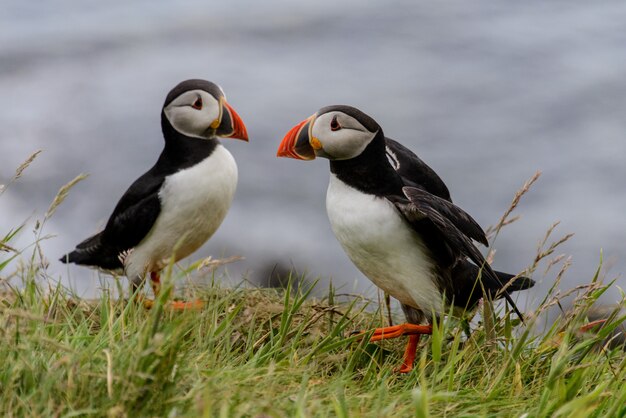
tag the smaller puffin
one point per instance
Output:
(177, 205)
(394, 218)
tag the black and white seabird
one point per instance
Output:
(179, 203)
(394, 217)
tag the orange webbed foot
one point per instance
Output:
(400, 330)
(413, 331)
(175, 305)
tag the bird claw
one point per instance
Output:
(404, 368)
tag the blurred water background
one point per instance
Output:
(485, 92)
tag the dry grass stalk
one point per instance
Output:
(554, 261)
(62, 194)
(586, 289)
(510, 282)
(24, 165)
(566, 264)
(7, 248)
(20, 170)
(211, 264)
(21, 313)
(541, 253)
(505, 220)
(109, 359)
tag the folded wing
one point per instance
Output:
(457, 229)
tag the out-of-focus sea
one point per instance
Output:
(485, 92)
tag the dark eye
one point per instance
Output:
(334, 125)
(197, 104)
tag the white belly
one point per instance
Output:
(194, 202)
(383, 246)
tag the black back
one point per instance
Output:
(414, 171)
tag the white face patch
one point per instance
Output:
(185, 116)
(342, 136)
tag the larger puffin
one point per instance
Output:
(394, 218)
(177, 205)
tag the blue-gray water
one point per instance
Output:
(487, 93)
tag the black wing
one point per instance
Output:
(450, 212)
(456, 227)
(135, 213)
(137, 210)
(131, 220)
(414, 171)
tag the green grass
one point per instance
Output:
(281, 353)
(263, 352)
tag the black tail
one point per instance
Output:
(91, 252)
(79, 256)
(72, 257)
(468, 291)
(520, 283)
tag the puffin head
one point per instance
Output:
(334, 132)
(198, 109)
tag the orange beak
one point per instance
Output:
(297, 142)
(231, 125)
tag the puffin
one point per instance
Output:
(178, 204)
(394, 218)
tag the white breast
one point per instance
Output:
(194, 201)
(383, 246)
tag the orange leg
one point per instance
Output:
(155, 282)
(413, 331)
(409, 354)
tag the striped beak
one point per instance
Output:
(231, 125)
(297, 143)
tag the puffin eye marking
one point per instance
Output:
(197, 104)
(334, 124)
